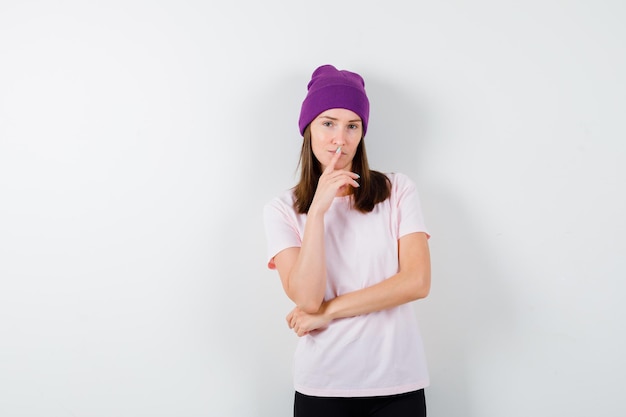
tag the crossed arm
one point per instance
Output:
(411, 282)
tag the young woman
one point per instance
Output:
(351, 249)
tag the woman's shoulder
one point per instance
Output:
(399, 179)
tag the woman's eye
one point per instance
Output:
(327, 124)
(353, 126)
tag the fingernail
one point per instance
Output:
(338, 149)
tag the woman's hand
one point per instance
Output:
(303, 323)
(330, 182)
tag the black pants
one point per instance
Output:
(411, 404)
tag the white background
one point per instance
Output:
(139, 141)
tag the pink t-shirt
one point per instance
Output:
(375, 354)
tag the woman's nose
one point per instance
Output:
(340, 138)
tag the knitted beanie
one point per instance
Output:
(331, 88)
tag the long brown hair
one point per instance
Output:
(374, 188)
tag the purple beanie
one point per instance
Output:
(331, 88)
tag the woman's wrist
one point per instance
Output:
(314, 212)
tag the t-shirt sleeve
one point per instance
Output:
(410, 216)
(280, 229)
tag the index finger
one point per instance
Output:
(333, 161)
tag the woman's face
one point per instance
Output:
(334, 128)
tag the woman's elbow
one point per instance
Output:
(310, 306)
(423, 292)
(305, 302)
(420, 287)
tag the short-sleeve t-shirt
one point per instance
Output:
(380, 353)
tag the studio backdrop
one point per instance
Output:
(139, 141)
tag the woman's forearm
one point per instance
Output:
(412, 282)
(392, 292)
(396, 290)
(307, 278)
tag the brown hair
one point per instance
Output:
(374, 188)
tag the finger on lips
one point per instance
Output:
(334, 159)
